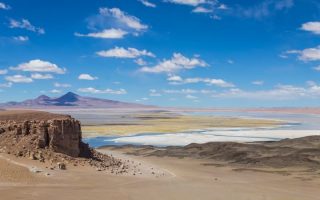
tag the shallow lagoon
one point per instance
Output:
(201, 136)
(298, 125)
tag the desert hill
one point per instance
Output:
(300, 152)
(71, 100)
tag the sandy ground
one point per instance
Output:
(161, 178)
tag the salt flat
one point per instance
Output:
(185, 138)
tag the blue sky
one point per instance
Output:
(197, 53)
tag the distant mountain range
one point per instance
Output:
(71, 100)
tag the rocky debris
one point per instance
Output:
(61, 166)
(35, 170)
(52, 140)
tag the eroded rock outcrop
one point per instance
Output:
(58, 135)
(49, 138)
(62, 136)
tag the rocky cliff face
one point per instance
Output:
(59, 135)
(52, 139)
(62, 136)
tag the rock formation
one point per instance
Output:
(48, 138)
(59, 135)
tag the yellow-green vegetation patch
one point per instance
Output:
(162, 123)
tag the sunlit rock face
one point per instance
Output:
(61, 135)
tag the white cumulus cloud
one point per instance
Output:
(142, 99)
(147, 3)
(4, 6)
(61, 85)
(21, 38)
(154, 93)
(140, 62)
(189, 96)
(176, 63)
(177, 80)
(3, 71)
(41, 76)
(25, 24)
(105, 34)
(258, 82)
(313, 27)
(106, 91)
(201, 9)
(182, 91)
(38, 65)
(279, 92)
(223, 7)
(188, 2)
(19, 79)
(87, 77)
(123, 18)
(309, 54)
(120, 52)
(55, 91)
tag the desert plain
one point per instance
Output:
(204, 171)
(183, 179)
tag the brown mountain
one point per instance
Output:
(71, 100)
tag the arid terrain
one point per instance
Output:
(283, 155)
(162, 178)
(288, 169)
(159, 100)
